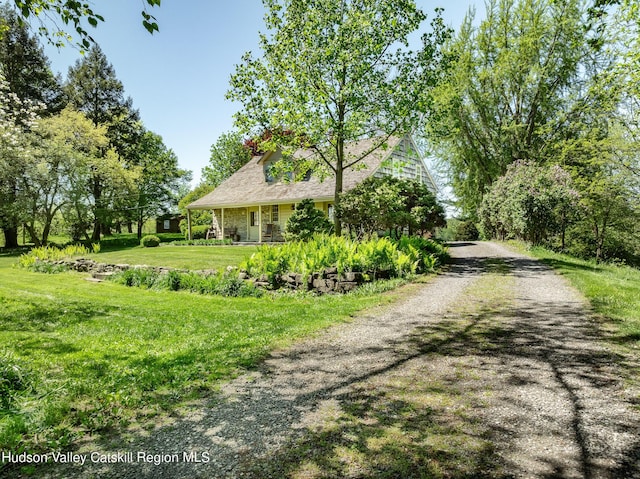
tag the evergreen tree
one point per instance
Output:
(93, 88)
(25, 66)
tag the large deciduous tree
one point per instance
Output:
(27, 81)
(228, 155)
(332, 72)
(17, 117)
(511, 79)
(159, 180)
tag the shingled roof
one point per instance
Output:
(247, 186)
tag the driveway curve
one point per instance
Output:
(492, 369)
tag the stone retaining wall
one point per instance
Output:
(328, 281)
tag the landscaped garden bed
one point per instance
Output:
(324, 264)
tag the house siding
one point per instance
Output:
(405, 163)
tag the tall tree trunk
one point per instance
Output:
(129, 227)
(97, 220)
(46, 230)
(10, 236)
(140, 222)
(33, 234)
(337, 221)
(95, 235)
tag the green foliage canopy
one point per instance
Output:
(333, 72)
(228, 155)
(508, 84)
(73, 13)
(390, 204)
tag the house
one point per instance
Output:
(252, 205)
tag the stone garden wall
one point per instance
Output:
(328, 281)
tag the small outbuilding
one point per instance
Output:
(168, 223)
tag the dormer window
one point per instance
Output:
(268, 173)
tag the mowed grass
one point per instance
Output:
(613, 290)
(183, 257)
(93, 357)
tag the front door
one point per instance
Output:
(254, 226)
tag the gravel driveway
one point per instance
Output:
(477, 374)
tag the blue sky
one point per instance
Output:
(178, 77)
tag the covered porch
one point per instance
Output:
(253, 224)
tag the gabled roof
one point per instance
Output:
(247, 186)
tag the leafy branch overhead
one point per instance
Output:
(72, 13)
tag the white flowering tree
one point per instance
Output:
(17, 118)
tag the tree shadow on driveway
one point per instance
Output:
(519, 390)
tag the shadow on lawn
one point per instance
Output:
(39, 314)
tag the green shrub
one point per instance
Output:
(202, 242)
(428, 253)
(130, 240)
(197, 232)
(306, 221)
(223, 284)
(141, 277)
(48, 268)
(150, 241)
(380, 257)
(170, 281)
(467, 231)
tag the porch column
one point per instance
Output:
(189, 224)
(259, 223)
(222, 219)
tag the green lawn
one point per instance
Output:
(185, 257)
(87, 357)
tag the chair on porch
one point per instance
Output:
(232, 233)
(268, 234)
